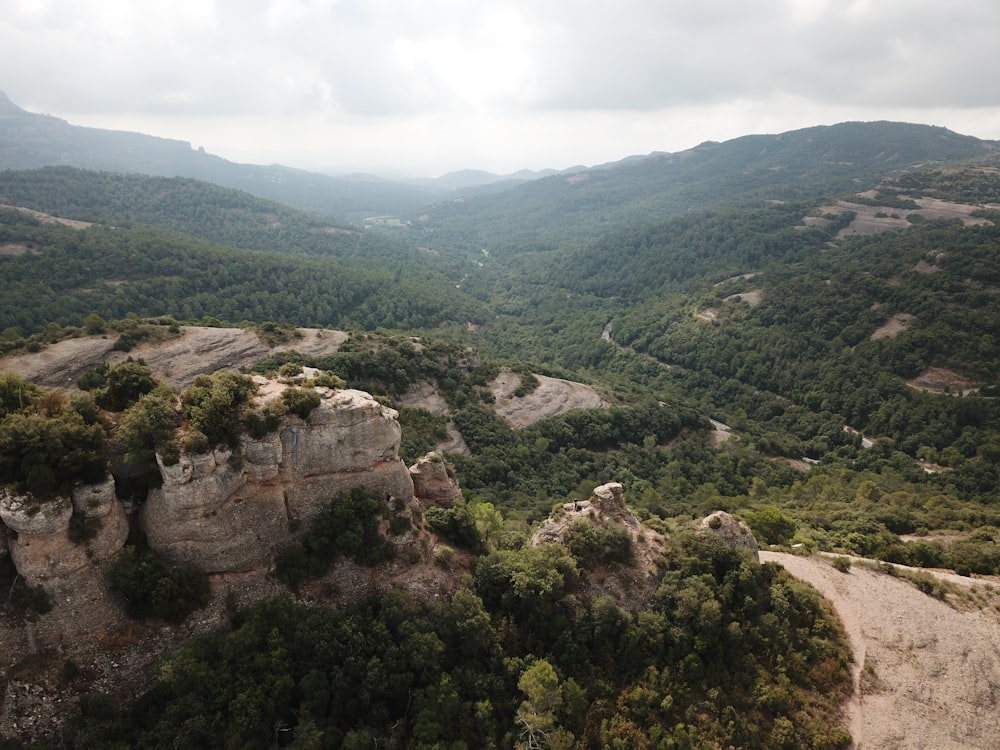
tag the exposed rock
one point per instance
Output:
(609, 500)
(432, 485)
(42, 550)
(631, 585)
(228, 513)
(175, 361)
(733, 532)
(98, 505)
(551, 397)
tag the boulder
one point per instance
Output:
(432, 484)
(609, 498)
(733, 532)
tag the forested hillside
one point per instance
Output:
(57, 274)
(803, 330)
(745, 172)
(32, 141)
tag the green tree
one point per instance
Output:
(124, 383)
(149, 424)
(536, 716)
(16, 393)
(771, 526)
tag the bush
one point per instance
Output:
(259, 422)
(300, 401)
(149, 425)
(348, 526)
(124, 384)
(196, 442)
(771, 526)
(843, 564)
(456, 525)
(607, 545)
(212, 406)
(152, 588)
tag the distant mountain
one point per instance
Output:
(30, 141)
(744, 172)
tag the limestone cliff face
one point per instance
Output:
(41, 548)
(227, 512)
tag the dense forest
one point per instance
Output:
(836, 390)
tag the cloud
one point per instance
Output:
(513, 77)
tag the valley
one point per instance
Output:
(572, 376)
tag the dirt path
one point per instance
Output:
(927, 674)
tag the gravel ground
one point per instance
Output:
(927, 671)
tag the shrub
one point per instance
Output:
(124, 384)
(149, 425)
(444, 557)
(16, 393)
(196, 442)
(607, 545)
(151, 588)
(843, 564)
(212, 406)
(300, 401)
(456, 525)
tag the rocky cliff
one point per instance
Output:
(226, 511)
(632, 582)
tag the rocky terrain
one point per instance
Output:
(226, 511)
(927, 669)
(176, 361)
(552, 396)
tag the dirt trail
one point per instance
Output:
(927, 674)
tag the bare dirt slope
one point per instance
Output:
(927, 673)
(552, 397)
(176, 361)
(875, 219)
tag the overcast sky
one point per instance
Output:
(422, 87)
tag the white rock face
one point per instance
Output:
(228, 513)
(31, 517)
(98, 504)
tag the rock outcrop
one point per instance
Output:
(606, 505)
(733, 532)
(41, 548)
(228, 512)
(432, 484)
(632, 584)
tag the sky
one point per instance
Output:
(409, 88)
